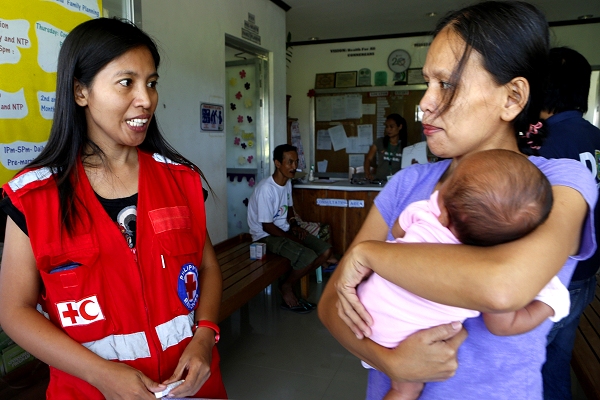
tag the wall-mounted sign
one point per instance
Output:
(31, 34)
(250, 29)
(356, 203)
(399, 60)
(332, 202)
(211, 117)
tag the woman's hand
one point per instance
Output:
(122, 382)
(351, 271)
(194, 364)
(428, 355)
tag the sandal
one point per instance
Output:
(299, 309)
(308, 305)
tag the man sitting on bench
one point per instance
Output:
(272, 221)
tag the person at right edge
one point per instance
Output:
(569, 136)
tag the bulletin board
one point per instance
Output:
(31, 33)
(362, 108)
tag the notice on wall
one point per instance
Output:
(31, 35)
(338, 137)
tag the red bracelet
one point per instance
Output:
(210, 325)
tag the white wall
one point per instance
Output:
(191, 37)
(309, 60)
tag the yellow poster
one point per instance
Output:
(31, 33)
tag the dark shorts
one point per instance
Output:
(300, 255)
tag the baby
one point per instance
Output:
(491, 197)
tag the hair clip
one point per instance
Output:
(533, 129)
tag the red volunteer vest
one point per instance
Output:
(133, 309)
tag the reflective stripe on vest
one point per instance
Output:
(134, 345)
(28, 177)
(121, 347)
(174, 331)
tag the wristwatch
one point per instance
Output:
(210, 325)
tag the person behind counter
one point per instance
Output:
(492, 197)
(388, 149)
(272, 221)
(107, 230)
(486, 70)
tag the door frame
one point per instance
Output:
(263, 126)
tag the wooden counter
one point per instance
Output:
(324, 202)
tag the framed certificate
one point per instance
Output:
(325, 81)
(345, 79)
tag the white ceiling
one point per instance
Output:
(338, 19)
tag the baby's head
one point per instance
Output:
(495, 196)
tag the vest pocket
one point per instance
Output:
(72, 293)
(178, 256)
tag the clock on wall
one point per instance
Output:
(399, 60)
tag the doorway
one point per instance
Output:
(247, 128)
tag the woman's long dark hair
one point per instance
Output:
(514, 41)
(86, 50)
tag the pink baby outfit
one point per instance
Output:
(397, 313)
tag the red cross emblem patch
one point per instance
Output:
(80, 312)
(188, 288)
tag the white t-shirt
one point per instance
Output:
(269, 203)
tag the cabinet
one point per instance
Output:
(345, 222)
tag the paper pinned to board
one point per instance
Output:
(323, 106)
(323, 140)
(338, 137)
(353, 106)
(368, 109)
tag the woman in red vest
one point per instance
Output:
(107, 233)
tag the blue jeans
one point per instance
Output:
(557, 369)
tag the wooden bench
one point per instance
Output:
(244, 278)
(586, 352)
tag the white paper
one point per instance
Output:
(369, 109)
(338, 108)
(416, 152)
(355, 146)
(353, 106)
(323, 105)
(356, 160)
(323, 140)
(322, 166)
(338, 137)
(365, 134)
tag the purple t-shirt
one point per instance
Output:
(490, 367)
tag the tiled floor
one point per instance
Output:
(269, 353)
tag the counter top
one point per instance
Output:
(344, 185)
